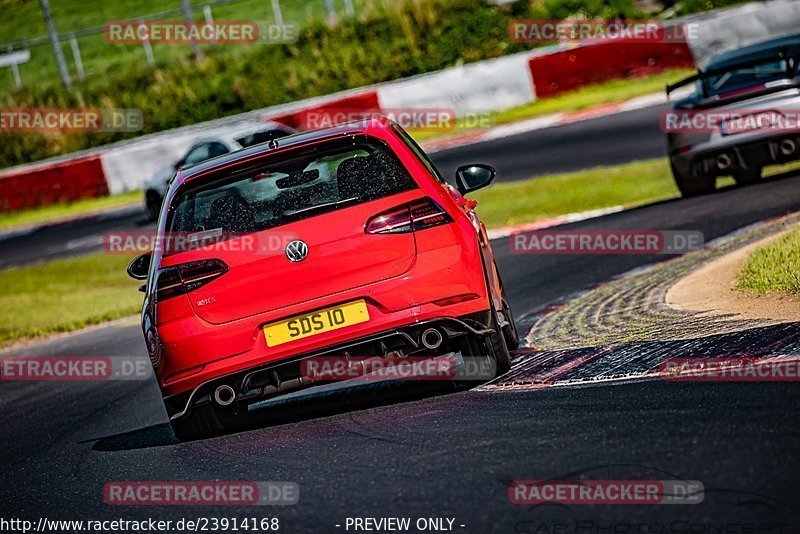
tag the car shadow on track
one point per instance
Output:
(280, 411)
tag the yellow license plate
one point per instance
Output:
(315, 323)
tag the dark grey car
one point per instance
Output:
(753, 94)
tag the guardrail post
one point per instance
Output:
(276, 11)
(61, 63)
(76, 56)
(15, 72)
(187, 16)
(331, 11)
(148, 48)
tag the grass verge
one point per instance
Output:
(58, 212)
(631, 184)
(774, 268)
(65, 295)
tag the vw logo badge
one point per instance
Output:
(296, 250)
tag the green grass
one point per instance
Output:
(596, 95)
(65, 295)
(584, 98)
(58, 212)
(773, 170)
(602, 187)
(774, 268)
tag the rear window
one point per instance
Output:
(300, 186)
(746, 77)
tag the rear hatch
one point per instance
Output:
(293, 229)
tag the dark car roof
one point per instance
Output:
(755, 52)
(298, 139)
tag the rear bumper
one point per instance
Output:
(191, 351)
(243, 345)
(723, 159)
(255, 383)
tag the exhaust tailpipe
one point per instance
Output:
(724, 162)
(224, 395)
(787, 147)
(431, 338)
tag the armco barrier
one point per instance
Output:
(604, 60)
(483, 86)
(45, 184)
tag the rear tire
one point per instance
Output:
(510, 334)
(496, 344)
(201, 422)
(692, 187)
(747, 177)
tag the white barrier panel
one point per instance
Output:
(129, 164)
(129, 167)
(484, 86)
(733, 28)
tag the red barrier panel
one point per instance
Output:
(367, 101)
(600, 61)
(50, 184)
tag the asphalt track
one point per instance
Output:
(431, 455)
(568, 147)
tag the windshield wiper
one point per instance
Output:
(319, 208)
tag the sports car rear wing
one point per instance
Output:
(790, 73)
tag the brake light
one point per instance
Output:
(413, 216)
(186, 277)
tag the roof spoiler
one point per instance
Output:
(686, 81)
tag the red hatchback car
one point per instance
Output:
(345, 241)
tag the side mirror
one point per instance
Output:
(140, 267)
(472, 177)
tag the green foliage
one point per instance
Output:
(391, 40)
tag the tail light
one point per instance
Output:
(184, 278)
(410, 217)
